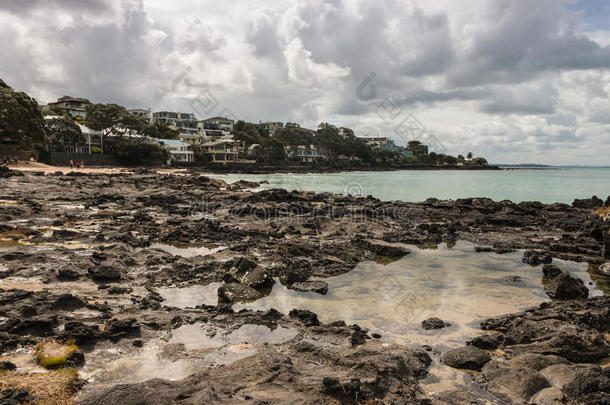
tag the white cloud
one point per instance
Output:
(508, 79)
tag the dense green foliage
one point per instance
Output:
(21, 120)
(136, 152)
(62, 132)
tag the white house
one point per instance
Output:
(179, 151)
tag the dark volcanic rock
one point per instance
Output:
(320, 287)
(234, 292)
(383, 248)
(469, 357)
(434, 323)
(536, 361)
(104, 273)
(117, 329)
(307, 317)
(574, 330)
(566, 287)
(7, 366)
(514, 385)
(487, 342)
(369, 373)
(68, 273)
(13, 396)
(550, 271)
(592, 202)
(535, 258)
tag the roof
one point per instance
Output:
(173, 142)
(217, 119)
(87, 130)
(221, 141)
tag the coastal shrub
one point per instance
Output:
(52, 387)
(135, 152)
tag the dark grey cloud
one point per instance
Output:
(524, 39)
(508, 70)
(24, 7)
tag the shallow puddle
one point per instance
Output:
(190, 297)
(455, 284)
(187, 350)
(186, 250)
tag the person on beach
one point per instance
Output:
(77, 165)
(71, 164)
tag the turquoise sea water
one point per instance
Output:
(546, 185)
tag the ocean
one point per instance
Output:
(547, 185)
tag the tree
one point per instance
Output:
(432, 157)
(271, 151)
(293, 137)
(161, 130)
(479, 161)
(418, 149)
(247, 133)
(105, 117)
(62, 132)
(136, 152)
(460, 159)
(21, 120)
(329, 139)
(469, 156)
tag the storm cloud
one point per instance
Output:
(515, 81)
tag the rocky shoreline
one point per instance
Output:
(262, 169)
(80, 262)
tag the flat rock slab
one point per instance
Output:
(469, 358)
(383, 248)
(319, 287)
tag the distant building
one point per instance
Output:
(94, 141)
(73, 106)
(304, 153)
(142, 113)
(184, 123)
(374, 140)
(270, 126)
(221, 151)
(215, 127)
(179, 151)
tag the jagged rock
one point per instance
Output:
(536, 361)
(235, 292)
(535, 258)
(550, 271)
(68, 273)
(104, 273)
(566, 287)
(319, 287)
(248, 272)
(434, 323)
(605, 269)
(469, 357)
(7, 366)
(117, 329)
(514, 385)
(487, 342)
(307, 317)
(383, 248)
(592, 202)
(562, 374)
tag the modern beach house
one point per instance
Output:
(73, 106)
(179, 151)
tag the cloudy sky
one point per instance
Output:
(512, 80)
